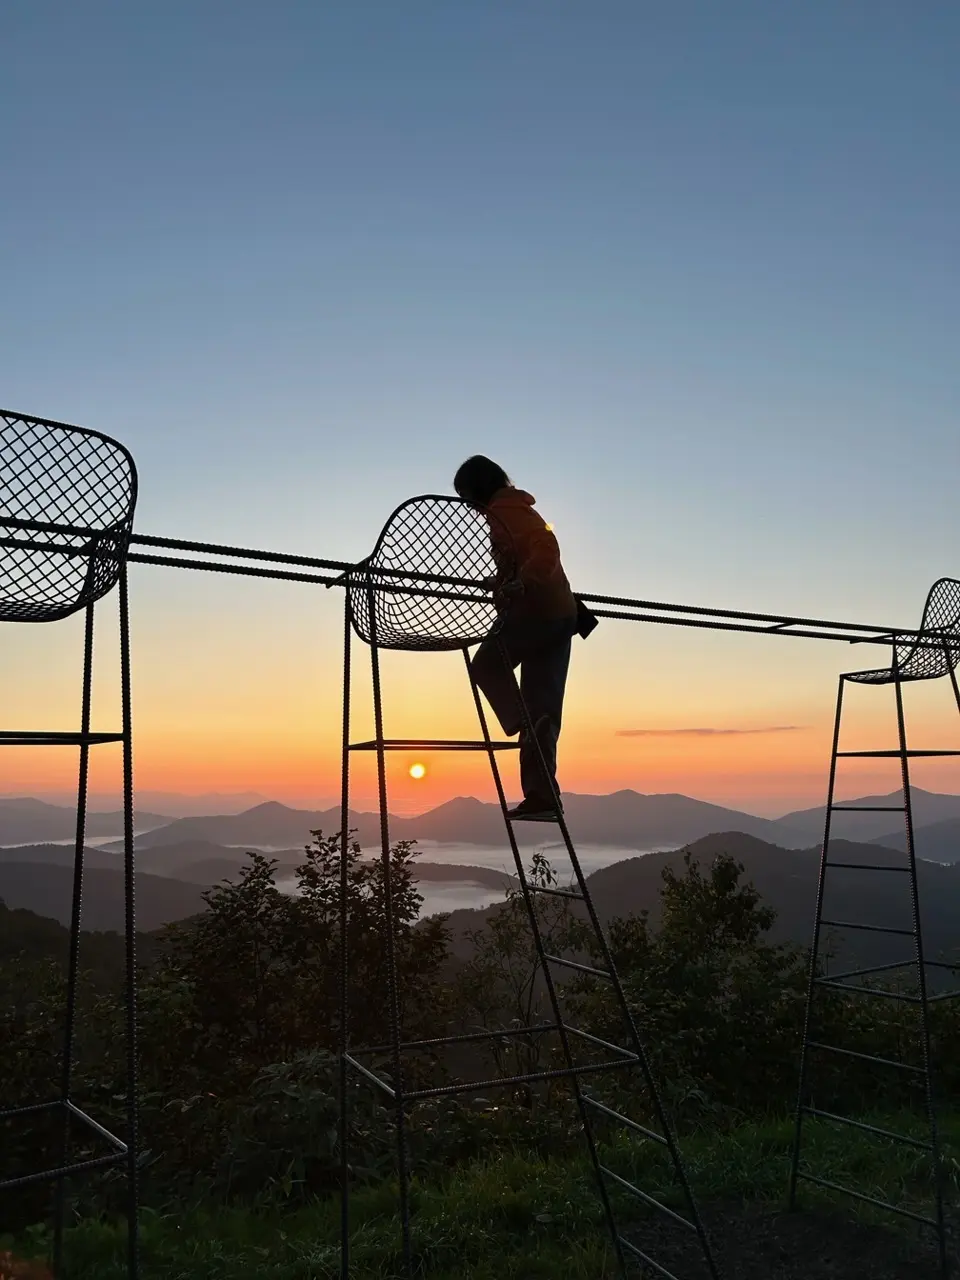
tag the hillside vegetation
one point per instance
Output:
(239, 1028)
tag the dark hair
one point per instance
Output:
(478, 479)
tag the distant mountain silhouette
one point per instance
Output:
(626, 818)
(28, 821)
(177, 860)
(47, 889)
(787, 881)
(60, 855)
(928, 807)
(263, 826)
(785, 878)
(937, 842)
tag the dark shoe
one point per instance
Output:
(534, 809)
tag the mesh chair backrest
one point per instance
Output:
(941, 615)
(68, 494)
(437, 536)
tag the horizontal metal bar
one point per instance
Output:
(646, 1259)
(556, 893)
(869, 928)
(876, 968)
(867, 808)
(64, 1171)
(96, 1126)
(741, 614)
(47, 526)
(381, 1084)
(713, 618)
(243, 553)
(538, 1029)
(44, 738)
(741, 627)
(868, 1128)
(860, 1195)
(865, 1057)
(648, 1199)
(81, 550)
(581, 968)
(863, 866)
(242, 570)
(477, 596)
(897, 754)
(943, 995)
(942, 964)
(433, 744)
(604, 1044)
(530, 1077)
(867, 991)
(621, 1119)
(32, 1108)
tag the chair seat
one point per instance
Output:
(883, 675)
(38, 610)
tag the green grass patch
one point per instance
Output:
(510, 1217)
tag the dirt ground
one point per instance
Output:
(771, 1244)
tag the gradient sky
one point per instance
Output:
(688, 270)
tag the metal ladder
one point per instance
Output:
(850, 981)
(610, 1057)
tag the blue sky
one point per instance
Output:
(688, 270)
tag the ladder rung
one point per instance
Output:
(864, 1057)
(868, 1128)
(115, 1142)
(529, 1077)
(943, 995)
(604, 1044)
(866, 991)
(646, 1259)
(864, 866)
(556, 893)
(621, 1119)
(439, 1042)
(49, 1175)
(859, 1195)
(40, 738)
(867, 808)
(581, 968)
(869, 928)
(897, 754)
(433, 744)
(371, 1076)
(874, 968)
(647, 1199)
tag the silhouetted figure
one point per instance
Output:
(542, 617)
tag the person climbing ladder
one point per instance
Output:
(542, 617)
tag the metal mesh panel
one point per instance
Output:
(68, 494)
(941, 615)
(443, 537)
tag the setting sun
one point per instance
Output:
(418, 771)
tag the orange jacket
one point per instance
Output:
(536, 553)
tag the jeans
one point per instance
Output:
(542, 651)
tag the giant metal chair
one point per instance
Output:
(67, 498)
(426, 587)
(928, 654)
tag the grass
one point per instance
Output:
(509, 1217)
